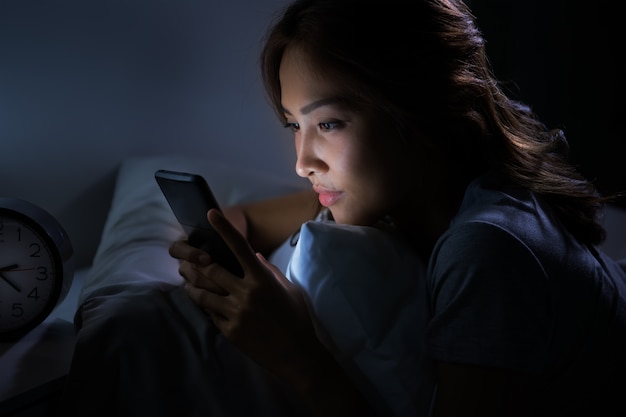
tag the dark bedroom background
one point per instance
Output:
(565, 59)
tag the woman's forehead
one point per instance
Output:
(298, 69)
(317, 79)
(296, 59)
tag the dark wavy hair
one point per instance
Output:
(422, 64)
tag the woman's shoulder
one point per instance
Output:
(500, 227)
(492, 202)
(512, 224)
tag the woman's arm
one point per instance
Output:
(268, 223)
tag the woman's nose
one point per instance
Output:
(308, 161)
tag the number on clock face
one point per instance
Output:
(27, 274)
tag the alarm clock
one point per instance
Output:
(36, 266)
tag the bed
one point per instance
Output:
(138, 230)
(133, 249)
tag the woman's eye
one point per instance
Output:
(329, 125)
(293, 126)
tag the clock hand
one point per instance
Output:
(14, 268)
(8, 268)
(15, 287)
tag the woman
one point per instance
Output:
(395, 112)
(397, 119)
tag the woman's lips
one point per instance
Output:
(327, 198)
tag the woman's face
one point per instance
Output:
(354, 163)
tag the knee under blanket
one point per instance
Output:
(147, 350)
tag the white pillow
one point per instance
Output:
(367, 289)
(141, 226)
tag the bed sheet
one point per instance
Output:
(33, 368)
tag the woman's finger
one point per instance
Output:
(278, 274)
(181, 249)
(235, 241)
(212, 303)
(197, 276)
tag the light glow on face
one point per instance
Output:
(351, 160)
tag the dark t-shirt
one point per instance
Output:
(511, 288)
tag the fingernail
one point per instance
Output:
(204, 259)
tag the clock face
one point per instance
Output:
(29, 275)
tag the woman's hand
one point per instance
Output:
(263, 313)
(267, 318)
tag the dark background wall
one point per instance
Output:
(565, 59)
(85, 84)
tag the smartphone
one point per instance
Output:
(190, 198)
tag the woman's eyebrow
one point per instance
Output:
(314, 105)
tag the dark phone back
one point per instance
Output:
(190, 198)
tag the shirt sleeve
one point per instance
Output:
(490, 301)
